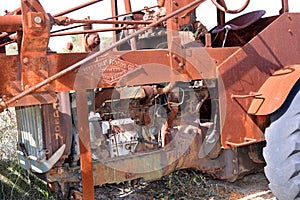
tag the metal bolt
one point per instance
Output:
(25, 60)
(43, 60)
(27, 87)
(38, 20)
(180, 64)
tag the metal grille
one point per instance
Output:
(29, 120)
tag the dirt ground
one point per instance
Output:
(254, 186)
(251, 187)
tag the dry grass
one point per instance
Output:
(15, 182)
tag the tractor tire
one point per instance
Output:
(282, 152)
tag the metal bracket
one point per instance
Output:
(40, 166)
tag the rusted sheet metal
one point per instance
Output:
(10, 84)
(246, 71)
(154, 165)
(57, 125)
(132, 68)
(218, 55)
(85, 145)
(197, 64)
(275, 90)
(10, 23)
(60, 62)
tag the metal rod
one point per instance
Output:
(76, 8)
(10, 23)
(127, 6)
(285, 6)
(121, 15)
(85, 145)
(65, 29)
(87, 21)
(114, 12)
(7, 43)
(114, 17)
(63, 72)
(90, 31)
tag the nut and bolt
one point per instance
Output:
(25, 60)
(38, 20)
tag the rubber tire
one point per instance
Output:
(282, 152)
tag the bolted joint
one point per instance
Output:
(37, 20)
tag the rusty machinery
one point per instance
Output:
(156, 100)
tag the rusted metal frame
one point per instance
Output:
(78, 64)
(90, 31)
(77, 8)
(36, 27)
(85, 145)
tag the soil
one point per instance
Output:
(187, 184)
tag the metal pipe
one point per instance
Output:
(285, 6)
(76, 8)
(10, 23)
(108, 21)
(161, 3)
(5, 104)
(224, 8)
(121, 15)
(114, 12)
(127, 6)
(90, 31)
(65, 29)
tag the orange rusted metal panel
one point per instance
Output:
(246, 70)
(275, 90)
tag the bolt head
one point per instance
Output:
(38, 20)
